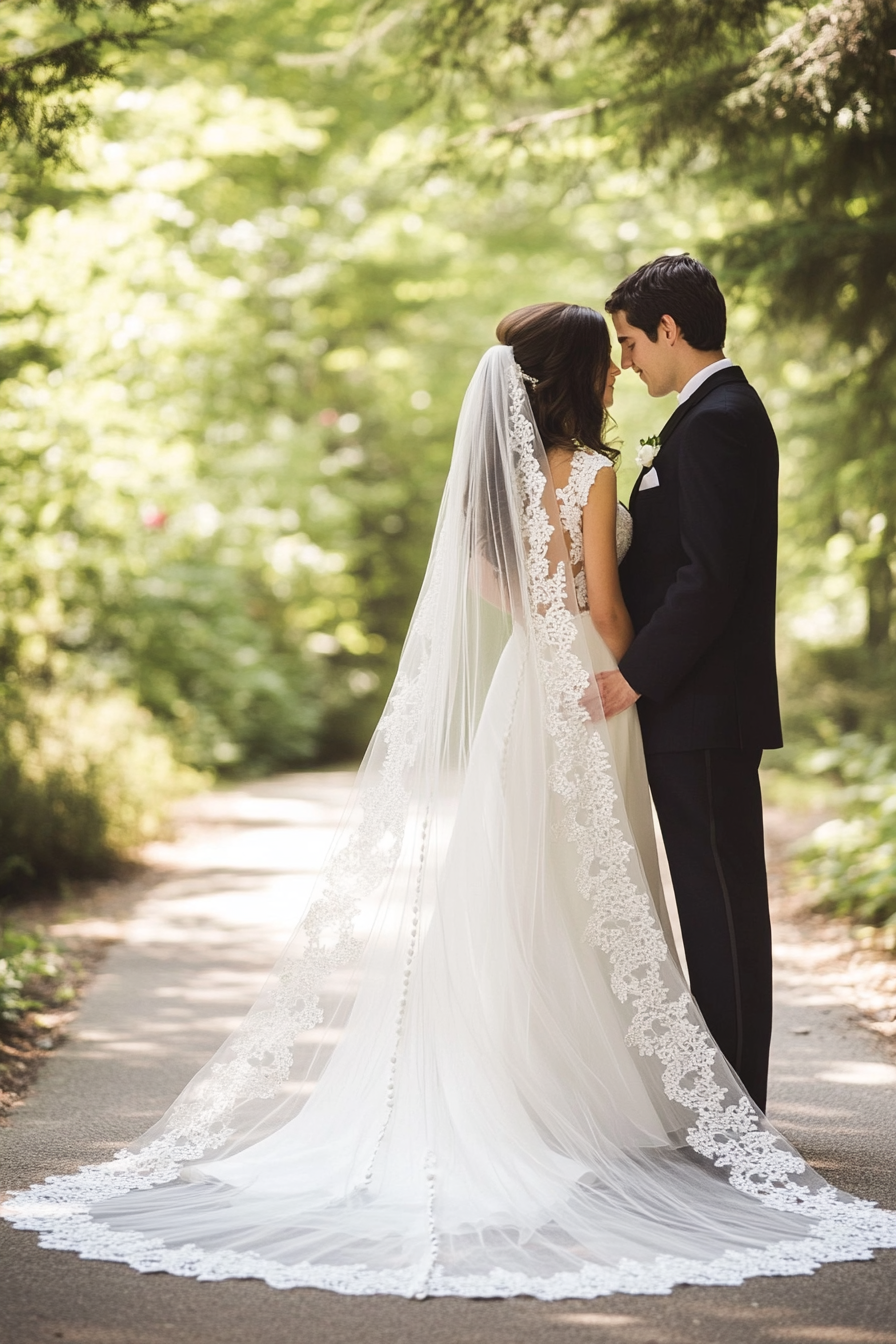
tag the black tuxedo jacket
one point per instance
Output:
(699, 579)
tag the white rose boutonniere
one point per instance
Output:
(648, 451)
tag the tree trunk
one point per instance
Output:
(879, 582)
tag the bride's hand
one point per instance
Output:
(591, 700)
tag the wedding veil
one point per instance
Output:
(476, 1068)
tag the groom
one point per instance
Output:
(699, 582)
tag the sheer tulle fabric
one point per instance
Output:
(476, 1068)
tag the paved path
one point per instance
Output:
(195, 951)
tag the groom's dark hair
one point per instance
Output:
(680, 287)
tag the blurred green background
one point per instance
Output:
(250, 254)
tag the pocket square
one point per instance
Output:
(649, 481)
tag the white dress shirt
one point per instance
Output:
(700, 378)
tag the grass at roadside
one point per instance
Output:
(850, 861)
(848, 864)
(41, 979)
(84, 780)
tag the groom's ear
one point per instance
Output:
(668, 330)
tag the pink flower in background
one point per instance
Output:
(328, 417)
(152, 516)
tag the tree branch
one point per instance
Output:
(305, 60)
(542, 120)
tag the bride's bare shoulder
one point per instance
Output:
(560, 459)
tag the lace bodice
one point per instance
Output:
(572, 499)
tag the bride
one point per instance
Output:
(476, 1069)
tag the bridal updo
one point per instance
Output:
(566, 348)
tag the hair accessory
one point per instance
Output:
(528, 378)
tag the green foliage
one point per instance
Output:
(851, 861)
(830, 691)
(60, 51)
(82, 779)
(24, 957)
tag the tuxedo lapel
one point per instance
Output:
(635, 488)
(733, 375)
(675, 419)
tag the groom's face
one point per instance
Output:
(652, 361)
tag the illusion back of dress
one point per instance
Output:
(623, 730)
(572, 499)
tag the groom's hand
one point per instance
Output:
(615, 693)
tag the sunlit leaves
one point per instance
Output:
(56, 51)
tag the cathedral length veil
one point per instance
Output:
(476, 1069)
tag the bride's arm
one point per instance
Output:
(609, 613)
(489, 584)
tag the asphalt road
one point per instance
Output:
(196, 948)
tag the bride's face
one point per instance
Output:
(612, 374)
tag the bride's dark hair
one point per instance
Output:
(567, 349)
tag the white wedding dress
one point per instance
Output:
(476, 1070)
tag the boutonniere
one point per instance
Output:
(648, 451)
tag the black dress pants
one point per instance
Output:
(710, 811)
